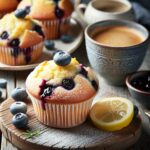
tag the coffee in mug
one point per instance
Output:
(118, 36)
(112, 7)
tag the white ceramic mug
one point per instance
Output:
(101, 10)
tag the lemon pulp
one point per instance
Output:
(112, 114)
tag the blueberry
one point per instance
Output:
(20, 120)
(28, 8)
(4, 35)
(68, 84)
(38, 29)
(95, 85)
(21, 13)
(14, 43)
(49, 44)
(55, 51)
(83, 72)
(62, 58)
(19, 94)
(59, 12)
(18, 107)
(136, 111)
(3, 83)
(66, 38)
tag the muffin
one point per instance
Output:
(21, 40)
(7, 6)
(53, 14)
(62, 91)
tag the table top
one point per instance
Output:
(17, 79)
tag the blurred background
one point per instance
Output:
(141, 9)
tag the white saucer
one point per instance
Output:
(75, 30)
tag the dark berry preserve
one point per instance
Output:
(59, 12)
(14, 43)
(83, 71)
(142, 83)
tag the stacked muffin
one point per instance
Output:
(62, 91)
(21, 40)
(54, 14)
(21, 37)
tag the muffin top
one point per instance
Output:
(18, 32)
(69, 83)
(47, 9)
(8, 5)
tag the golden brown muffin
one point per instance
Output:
(20, 40)
(72, 86)
(46, 9)
(7, 6)
(52, 13)
(52, 74)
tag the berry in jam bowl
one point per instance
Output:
(138, 85)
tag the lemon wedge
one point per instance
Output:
(112, 114)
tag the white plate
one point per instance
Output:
(75, 30)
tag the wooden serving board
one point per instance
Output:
(85, 136)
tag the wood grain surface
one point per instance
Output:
(83, 136)
(16, 79)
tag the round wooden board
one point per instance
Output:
(75, 30)
(85, 136)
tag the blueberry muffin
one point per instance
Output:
(62, 91)
(7, 6)
(54, 14)
(21, 40)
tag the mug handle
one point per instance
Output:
(80, 9)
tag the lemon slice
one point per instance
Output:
(112, 114)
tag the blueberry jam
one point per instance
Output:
(15, 52)
(68, 84)
(14, 43)
(95, 85)
(45, 91)
(142, 83)
(59, 13)
(38, 29)
(83, 72)
(27, 53)
(4, 35)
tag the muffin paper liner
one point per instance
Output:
(54, 28)
(20, 56)
(61, 115)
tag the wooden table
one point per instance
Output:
(17, 79)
